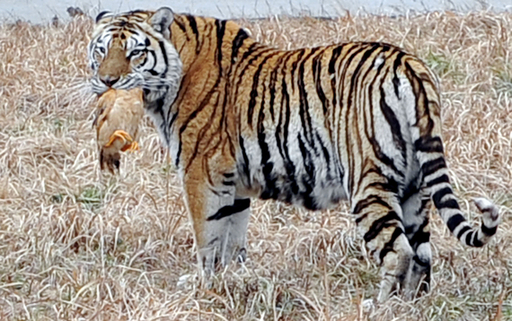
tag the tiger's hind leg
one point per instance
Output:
(416, 221)
(379, 220)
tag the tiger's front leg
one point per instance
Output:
(219, 218)
(225, 235)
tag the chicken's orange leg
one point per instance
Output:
(128, 143)
(119, 134)
(132, 147)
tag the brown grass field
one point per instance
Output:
(76, 244)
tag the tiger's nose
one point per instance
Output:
(109, 81)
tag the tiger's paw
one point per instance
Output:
(242, 255)
(215, 258)
(368, 305)
(187, 281)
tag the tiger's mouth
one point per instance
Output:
(101, 84)
(99, 90)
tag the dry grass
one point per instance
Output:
(76, 245)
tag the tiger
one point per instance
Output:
(311, 127)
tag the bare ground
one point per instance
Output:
(76, 244)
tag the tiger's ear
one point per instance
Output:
(161, 21)
(102, 15)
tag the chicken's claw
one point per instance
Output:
(126, 138)
(132, 147)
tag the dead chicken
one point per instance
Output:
(117, 125)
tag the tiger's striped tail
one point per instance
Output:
(426, 133)
(448, 207)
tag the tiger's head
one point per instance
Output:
(133, 49)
